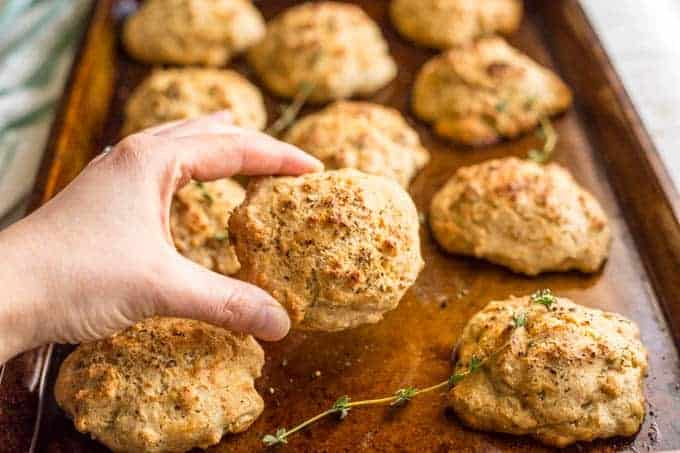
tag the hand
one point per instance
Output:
(99, 256)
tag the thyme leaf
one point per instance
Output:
(519, 320)
(455, 379)
(475, 364)
(543, 297)
(275, 439)
(341, 406)
(543, 155)
(403, 396)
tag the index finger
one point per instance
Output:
(208, 157)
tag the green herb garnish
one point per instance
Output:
(501, 106)
(541, 156)
(274, 439)
(341, 406)
(455, 379)
(403, 396)
(344, 404)
(292, 110)
(519, 320)
(543, 297)
(475, 364)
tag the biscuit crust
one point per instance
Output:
(162, 385)
(334, 47)
(486, 90)
(369, 137)
(447, 23)
(570, 374)
(337, 249)
(188, 32)
(176, 94)
(527, 217)
(199, 223)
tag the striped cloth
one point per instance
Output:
(37, 44)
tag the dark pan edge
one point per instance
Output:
(51, 167)
(648, 197)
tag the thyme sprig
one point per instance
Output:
(343, 405)
(401, 397)
(543, 155)
(291, 112)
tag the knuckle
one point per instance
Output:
(133, 149)
(242, 309)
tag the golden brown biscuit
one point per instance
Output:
(203, 32)
(199, 222)
(486, 90)
(175, 94)
(448, 23)
(337, 249)
(369, 137)
(522, 215)
(568, 374)
(334, 47)
(162, 385)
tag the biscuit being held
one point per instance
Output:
(361, 135)
(199, 222)
(485, 91)
(447, 23)
(522, 215)
(202, 32)
(551, 369)
(176, 94)
(333, 47)
(337, 249)
(162, 385)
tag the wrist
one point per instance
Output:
(22, 292)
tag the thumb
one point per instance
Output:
(192, 291)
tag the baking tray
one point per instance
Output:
(602, 141)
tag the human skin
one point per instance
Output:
(99, 257)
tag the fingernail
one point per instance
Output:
(315, 163)
(276, 323)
